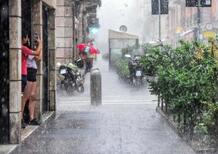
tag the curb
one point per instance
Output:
(174, 127)
(46, 117)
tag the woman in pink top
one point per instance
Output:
(25, 53)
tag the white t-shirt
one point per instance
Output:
(31, 62)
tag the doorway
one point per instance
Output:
(46, 80)
(26, 18)
(4, 72)
(26, 29)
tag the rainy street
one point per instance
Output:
(108, 76)
(125, 123)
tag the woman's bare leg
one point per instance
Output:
(25, 97)
(32, 100)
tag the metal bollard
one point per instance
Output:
(95, 80)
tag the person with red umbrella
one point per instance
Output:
(84, 52)
(82, 55)
(94, 51)
(88, 52)
(81, 46)
(89, 59)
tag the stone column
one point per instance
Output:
(85, 23)
(74, 30)
(15, 70)
(37, 27)
(81, 25)
(64, 30)
(52, 61)
(68, 14)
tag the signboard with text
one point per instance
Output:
(194, 3)
(163, 6)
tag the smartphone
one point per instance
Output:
(35, 37)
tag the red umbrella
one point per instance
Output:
(81, 46)
(93, 50)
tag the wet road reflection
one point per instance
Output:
(126, 123)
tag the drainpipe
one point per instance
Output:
(159, 12)
(199, 21)
(73, 27)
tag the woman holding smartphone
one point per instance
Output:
(31, 87)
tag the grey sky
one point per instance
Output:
(115, 13)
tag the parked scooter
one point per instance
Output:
(72, 78)
(136, 71)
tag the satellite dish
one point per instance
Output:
(123, 28)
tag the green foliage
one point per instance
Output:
(187, 81)
(147, 48)
(150, 61)
(209, 122)
(122, 69)
(120, 63)
(154, 57)
(129, 50)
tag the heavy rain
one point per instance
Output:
(108, 76)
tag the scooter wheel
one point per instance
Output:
(80, 89)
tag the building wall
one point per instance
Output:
(183, 20)
(15, 30)
(51, 3)
(71, 28)
(81, 23)
(37, 26)
(15, 70)
(64, 30)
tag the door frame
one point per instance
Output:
(4, 63)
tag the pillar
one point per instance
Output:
(15, 70)
(37, 27)
(52, 61)
(95, 87)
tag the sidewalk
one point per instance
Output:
(126, 123)
(117, 129)
(28, 131)
(4, 149)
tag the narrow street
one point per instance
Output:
(127, 122)
(47, 108)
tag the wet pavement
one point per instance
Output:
(126, 123)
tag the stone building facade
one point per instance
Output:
(72, 26)
(42, 21)
(61, 24)
(182, 21)
(64, 30)
(179, 23)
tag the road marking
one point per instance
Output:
(114, 100)
(111, 102)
